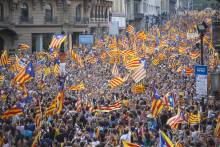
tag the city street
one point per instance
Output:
(109, 82)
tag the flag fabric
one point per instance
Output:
(179, 144)
(155, 61)
(217, 128)
(157, 104)
(4, 58)
(165, 140)
(56, 69)
(139, 74)
(19, 65)
(133, 64)
(78, 105)
(130, 29)
(37, 114)
(36, 139)
(128, 144)
(115, 82)
(57, 41)
(115, 71)
(169, 100)
(23, 46)
(194, 118)
(115, 106)
(174, 121)
(79, 87)
(76, 58)
(189, 71)
(139, 88)
(60, 100)
(11, 112)
(141, 35)
(51, 109)
(25, 75)
(194, 54)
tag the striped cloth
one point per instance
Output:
(115, 82)
(78, 105)
(141, 35)
(4, 58)
(174, 121)
(194, 118)
(139, 88)
(155, 61)
(115, 106)
(139, 74)
(130, 29)
(11, 112)
(194, 54)
(115, 71)
(133, 64)
(189, 71)
(57, 41)
(217, 128)
(156, 107)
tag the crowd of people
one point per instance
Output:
(168, 58)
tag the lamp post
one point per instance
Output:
(202, 30)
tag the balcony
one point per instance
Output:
(79, 21)
(25, 20)
(50, 20)
(95, 19)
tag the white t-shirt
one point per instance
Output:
(126, 137)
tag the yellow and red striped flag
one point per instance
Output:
(138, 88)
(128, 144)
(130, 29)
(189, 71)
(4, 58)
(57, 41)
(115, 106)
(78, 105)
(133, 64)
(23, 46)
(11, 112)
(60, 100)
(194, 118)
(79, 87)
(51, 109)
(115, 82)
(142, 36)
(217, 128)
(115, 71)
(194, 54)
(139, 74)
(76, 58)
(155, 61)
(37, 114)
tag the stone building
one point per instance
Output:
(35, 21)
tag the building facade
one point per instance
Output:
(119, 14)
(35, 21)
(168, 7)
(143, 13)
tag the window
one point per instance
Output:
(48, 12)
(40, 42)
(78, 13)
(1, 12)
(106, 13)
(24, 12)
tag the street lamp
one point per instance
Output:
(202, 30)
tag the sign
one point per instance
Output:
(201, 74)
(192, 35)
(121, 21)
(113, 28)
(86, 39)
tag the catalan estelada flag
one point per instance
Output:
(57, 41)
(133, 64)
(4, 58)
(11, 112)
(115, 82)
(79, 87)
(165, 140)
(157, 104)
(128, 144)
(25, 75)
